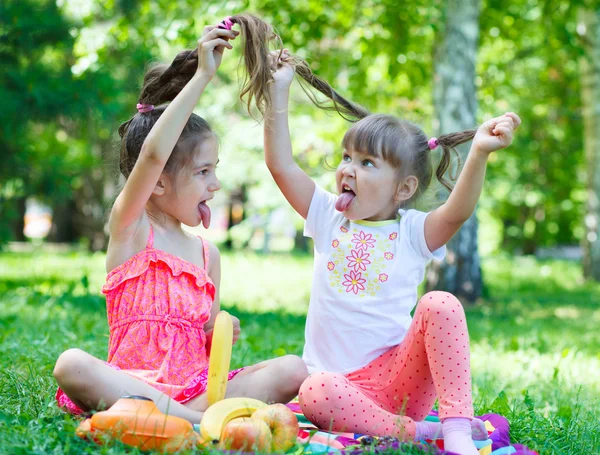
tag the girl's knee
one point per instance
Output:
(440, 301)
(320, 387)
(320, 399)
(71, 365)
(293, 372)
(297, 371)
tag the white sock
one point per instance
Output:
(458, 437)
(428, 430)
(478, 430)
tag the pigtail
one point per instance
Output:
(162, 83)
(348, 110)
(124, 165)
(124, 127)
(449, 142)
(257, 35)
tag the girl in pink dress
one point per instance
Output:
(162, 288)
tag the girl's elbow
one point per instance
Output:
(456, 217)
(149, 152)
(274, 167)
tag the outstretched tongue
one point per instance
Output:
(204, 214)
(344, 201)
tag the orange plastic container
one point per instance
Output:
(136, 421)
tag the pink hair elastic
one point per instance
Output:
(143, 108)
(433, 143)
(226, 23)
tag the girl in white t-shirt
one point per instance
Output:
(374, 369)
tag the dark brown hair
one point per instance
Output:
(403, 144)
(162, 83)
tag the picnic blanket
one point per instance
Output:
(314, 441)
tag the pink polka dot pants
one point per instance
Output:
(400, 387)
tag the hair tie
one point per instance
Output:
(143, 108)
(226, 23)
(433, 143)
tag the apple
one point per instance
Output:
(246, 434)
(283, 424)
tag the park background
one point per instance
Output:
(526, 266)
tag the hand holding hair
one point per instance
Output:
(211, 47)
(496, 133)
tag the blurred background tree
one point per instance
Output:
(455, 103)
(589, 30)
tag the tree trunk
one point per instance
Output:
(18, 224)
(455, 102)
(589, 29)
(236, 212)
(90, 213)
(64, 229)
(300, 241)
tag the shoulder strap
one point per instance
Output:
(206, 252)
(150, 241)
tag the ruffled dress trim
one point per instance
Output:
(140, 262)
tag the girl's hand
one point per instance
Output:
(496, 134)
(283, 72)
(211, 47)
(236, 328)
(236, 333)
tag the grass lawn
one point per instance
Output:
(535, 342)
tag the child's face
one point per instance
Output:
(195, 185)
(373, 182)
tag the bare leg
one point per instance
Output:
(272, 381)
(93, 385)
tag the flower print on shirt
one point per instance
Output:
(359, 261)
(354, 282)
(363, 241)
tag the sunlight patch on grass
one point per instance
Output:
(567, 313)
(266, 283)
(515, 371)
(528, 273)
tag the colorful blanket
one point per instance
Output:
(314, 441)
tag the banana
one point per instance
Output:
(221, 413)
(220, 358)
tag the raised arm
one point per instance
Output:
(158, 145)
(294, 183)
(442, 223)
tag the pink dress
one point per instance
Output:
(157, 305)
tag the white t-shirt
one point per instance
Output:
(364, 287)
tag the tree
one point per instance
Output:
(455, 104)
(527, 62)
(35, 88)
(589, 29)
(72, 74)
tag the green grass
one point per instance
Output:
(535, 342)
